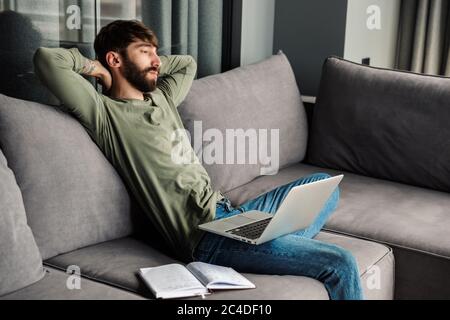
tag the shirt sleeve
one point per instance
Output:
(177, 72)
(59, 70)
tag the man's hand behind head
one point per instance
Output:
(95, 69)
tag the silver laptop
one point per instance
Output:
(298, 211)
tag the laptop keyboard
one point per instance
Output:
(252, 230)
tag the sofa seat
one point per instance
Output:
(125, 256)
(413, 221)
(53, 287)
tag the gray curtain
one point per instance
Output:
(424, 36)
(188, 27)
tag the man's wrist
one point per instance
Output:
(93, 68)
(89, 67)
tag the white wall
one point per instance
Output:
(257, 30)
(379, 45)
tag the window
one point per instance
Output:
(192, 27)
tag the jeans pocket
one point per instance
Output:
(223, 208)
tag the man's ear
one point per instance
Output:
(113, 59)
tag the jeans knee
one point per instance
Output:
(344, 263)
(320, 176)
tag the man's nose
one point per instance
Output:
(156, 62)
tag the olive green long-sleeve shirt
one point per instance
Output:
(137, 137)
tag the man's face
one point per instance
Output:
(141, 65)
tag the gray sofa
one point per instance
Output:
(62, 203)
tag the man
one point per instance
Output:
(133, 125)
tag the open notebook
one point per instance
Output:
(195, 279)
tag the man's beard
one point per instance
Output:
(137, 77)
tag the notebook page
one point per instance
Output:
(172, 280)
(218, 277)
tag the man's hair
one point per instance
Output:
(117, 35)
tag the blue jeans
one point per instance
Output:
(293, 254)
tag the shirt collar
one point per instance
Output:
(150, 98)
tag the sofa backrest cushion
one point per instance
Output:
(250, 101)
(73, 196)
(382, 123)
(20, 259)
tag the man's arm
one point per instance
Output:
(60, 71)
(176, 75)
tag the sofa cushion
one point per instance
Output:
(20, 259)
(382, 123)
(257, 99)
(72, 195)
(126, 256)
(53, 287)
(413, 221)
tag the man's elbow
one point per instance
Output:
(192, 66)
(41, 59)
(40, 55)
